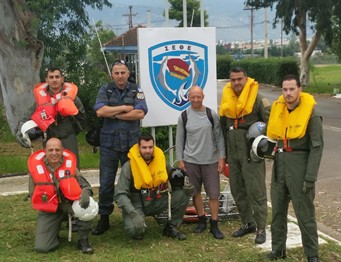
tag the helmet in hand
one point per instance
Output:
(85, 214)
(30, 132)
(255, 130)
(263, 147)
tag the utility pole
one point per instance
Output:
(266, 32)
(130, 17)
(251, 25)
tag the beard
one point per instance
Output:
(148, 157)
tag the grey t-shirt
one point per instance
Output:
(204, 144)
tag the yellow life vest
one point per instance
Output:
(284, 125)
(233, 106)
(147, 176)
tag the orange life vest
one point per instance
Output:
(48, 106)
(45, 196)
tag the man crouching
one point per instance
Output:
(142, 190)
(57, 189)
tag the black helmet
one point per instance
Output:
(92, 137)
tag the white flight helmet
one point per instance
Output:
(255, 130)
(85, 214)
(263, 147)
(29, 131)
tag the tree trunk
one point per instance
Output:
(20, 60)
(306, 50)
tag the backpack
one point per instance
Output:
(185, 118)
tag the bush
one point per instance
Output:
(223, 66)
(268, 70)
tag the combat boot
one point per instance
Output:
(245, 229)
(313, 259)
(274, 255)
(171, 231)
(84, 246)
(102, 226)
(260, 236)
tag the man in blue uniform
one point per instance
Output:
(121, 105)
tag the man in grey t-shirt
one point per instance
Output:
(200, 151)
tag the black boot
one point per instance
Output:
(171, 231)
(274, 255)
(102, 226)
(201, 224)
(245, 229)
(215, 230)
(84, 246)
(313, 259)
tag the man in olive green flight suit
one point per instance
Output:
(240, 107)
(296, 165)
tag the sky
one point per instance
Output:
(230, 18)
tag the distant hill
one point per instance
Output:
(231, 19)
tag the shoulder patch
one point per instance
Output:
(265, 102)
(140, 95)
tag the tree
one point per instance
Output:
(193, 9)
(36, 32)
(295, 16)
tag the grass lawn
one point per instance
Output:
(17, 241)
(323, 79)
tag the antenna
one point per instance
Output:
(100, 43)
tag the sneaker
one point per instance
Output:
(171, 231)
(260, 237)
(102, 226)
(201, 224)
(245, 229)
(313, 259)
(274, 255)
(84, 246)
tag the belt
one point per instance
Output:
(289, 149)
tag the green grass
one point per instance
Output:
(323, 79)
(17, 225)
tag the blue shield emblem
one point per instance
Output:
(174, 67)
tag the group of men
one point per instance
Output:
(205, 142)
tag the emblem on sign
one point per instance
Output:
(176, 66)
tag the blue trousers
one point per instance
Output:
(109, 160)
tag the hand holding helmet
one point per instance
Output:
(84, 200)
(85, 214)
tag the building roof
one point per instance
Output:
(125, 43)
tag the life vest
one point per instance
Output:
(45, 196)
(48, 106)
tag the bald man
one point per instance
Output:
(55, 183)
(200, 151)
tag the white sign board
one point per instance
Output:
(171, 61)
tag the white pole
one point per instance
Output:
(202, 18)
(166, 13)
(266, 32)
(184, 11)
(100, 43)
(192, 18)
(170, 139)
(149, 18)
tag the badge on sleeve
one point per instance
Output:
(140, 96)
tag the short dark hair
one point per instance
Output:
(52, 69)
(292, 77)
(146, 137)
(238, 69)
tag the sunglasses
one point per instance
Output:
(119, 62)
